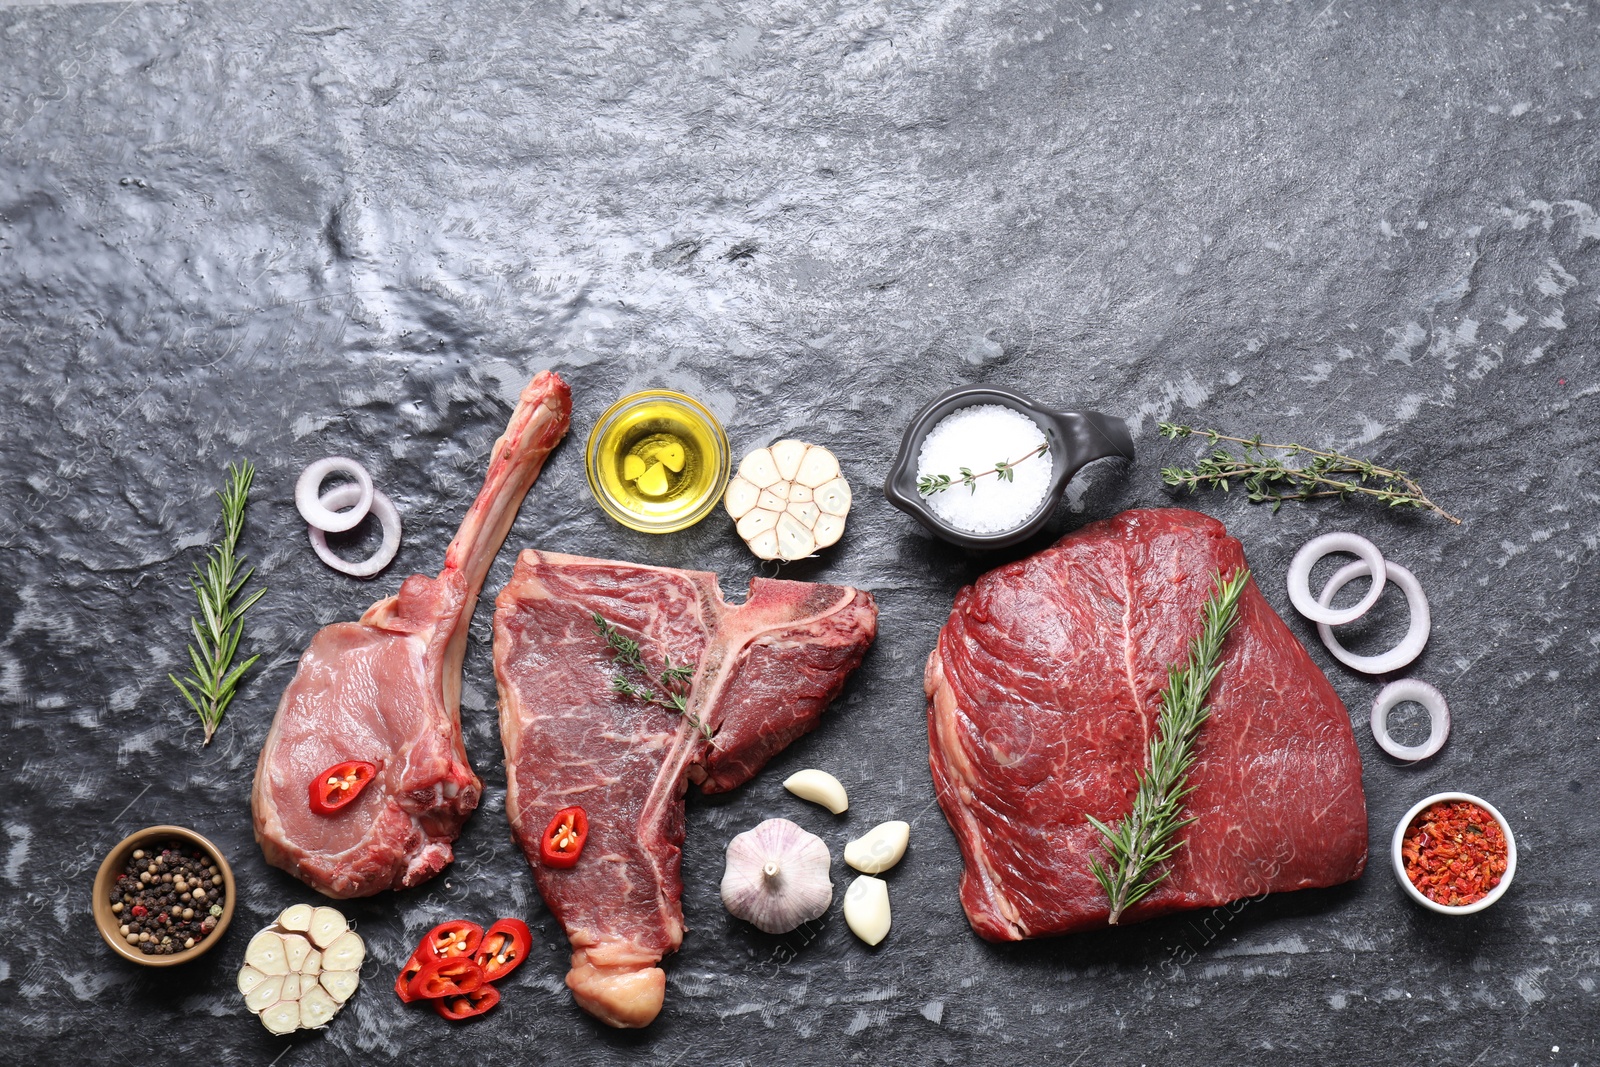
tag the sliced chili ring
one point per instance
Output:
(459, 937)
(465, 1005)
(339, 785)
(408, 974)
(445, 978)
(564, 838)
(504, 947)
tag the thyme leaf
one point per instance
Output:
(1269, 480)
(1147, 836)
(213, 677)
(929, 484)
(673, 679)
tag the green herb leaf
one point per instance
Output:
(1147, 836)
(929, 484)
(213, 677)
(625, 654)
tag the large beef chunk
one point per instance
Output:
(1043, 692)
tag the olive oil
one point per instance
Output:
(658, 461)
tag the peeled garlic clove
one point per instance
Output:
(345, 954)
(249, 978)
(672, 458)
(794, 540)
(296, 919)
(740, 498)
(265, 994)
(833, 497)
(632, 467)
(653, 482)
(827, 530)
(818, 467)
(339, 984)
(777, 877)
(879, 848)
(326, 925)
(786, 456)
(282, 1018)
(266, 954)
(317, 1008)
(295, 951)
(866, 908)
(759, 470)
(819, 787)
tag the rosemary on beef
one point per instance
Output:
(1147, 836)
(673, 679)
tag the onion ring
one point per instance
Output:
(1300, 577)
(1410, 646)
(314, 508)
(1438, 718)
(343, 496)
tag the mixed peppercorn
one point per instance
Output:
(1454, 852)
(168, 898)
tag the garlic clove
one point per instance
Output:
(317, 1008)
(291, 987)
(740, 498)
(632, 468)
(757, 522)
(805, 514)
(296, 919)
(765, 545)
(295, 951)
(312, 965)
(326, 925)
(819, 787)
(282, 1018)
(758, 469)
(265, 994)
(672, 458)
(828, 530)
(879, 848)
(341, 985)
(833, 497)
(794, 540)
(818, 467)
(266, 954)
(786, 456)
(776, 877)
(866, 908)
(345, 953)
(653, 482)
(800, 494)
(249, 978)
(771, 501)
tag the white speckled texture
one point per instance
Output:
(283, 231)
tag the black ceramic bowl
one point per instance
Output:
(1075, 437)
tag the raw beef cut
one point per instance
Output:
(765, 672)
(1043, 691)
(387, 690)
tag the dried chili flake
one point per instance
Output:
(1454, 852)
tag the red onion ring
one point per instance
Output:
(315, 510)
(1300, 577)
(1438, 718)
(343, 496)
(1410, 646)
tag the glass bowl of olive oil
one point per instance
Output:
(657, 461)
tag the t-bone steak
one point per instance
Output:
(387, 689)
(765, 672)
(1043, 692)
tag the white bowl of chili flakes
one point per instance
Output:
(1454, 847)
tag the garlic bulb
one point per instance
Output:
(777, 877)
(298, 972)
(788, 500)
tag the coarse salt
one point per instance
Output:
(977, 438)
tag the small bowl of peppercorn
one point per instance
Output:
(163, 896)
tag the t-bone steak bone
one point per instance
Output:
(387, 689)
(766, 670)
(1043, 692)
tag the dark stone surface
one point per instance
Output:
(286, 230)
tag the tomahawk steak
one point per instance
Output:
(765, 671)
(387, 690)
(1043, 691)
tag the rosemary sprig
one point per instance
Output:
(1148, 836)
(213, 678)
(626, 655)
(930, 484)
(1269, 479)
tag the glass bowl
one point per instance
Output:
(695, 490)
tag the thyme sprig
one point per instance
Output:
(929, 484)
(1148, 836)
(672, 679)
(1268, 479)
(213, 677)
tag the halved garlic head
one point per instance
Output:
(288, 982)
(788, 500)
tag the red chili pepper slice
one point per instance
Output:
(456, 938)
(408, 974)
(504, 947)
(564, 838)
(446, 978)
(339, 785)
(466, 1005)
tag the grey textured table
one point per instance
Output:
(282, 231)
